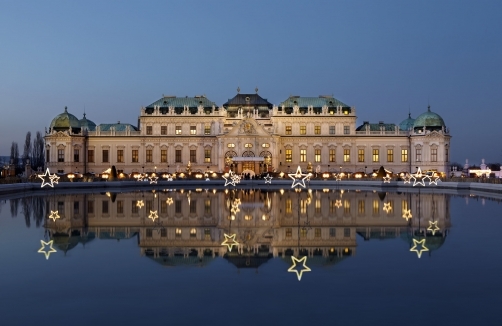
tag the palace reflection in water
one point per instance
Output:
(187, 227)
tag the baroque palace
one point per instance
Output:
(247, 134)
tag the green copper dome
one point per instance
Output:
(428, 121)
(87, 124)
(65, 121)
(407, 124)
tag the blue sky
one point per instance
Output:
(383, 57)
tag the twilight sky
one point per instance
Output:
(109, 58)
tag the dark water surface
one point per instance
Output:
(114, 265)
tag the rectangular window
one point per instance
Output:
(318, 206)
(163, 155)
(303, 130)
(207, 156)
(148, 130)
(177, 155)
(178, 233)
(303, 232)
(332, 130)
(60, 155)
(207, 206)
(346, 130)
(148, 205)
(376, 207)
(332, 207)
(317, 130)
(332, 155)
(332, 232)
(288, 130)
(120, 207)
(317, 233)
(360, 155)
(106, 159)
(207, 234)
(178, 130)
(346, 232)
(163, 130)
(207, 129)
(163, 207)
(289, 155)
(447, 159)
(120, 156)
(76, 155)
(390, 155)
(418, 153)
(177, 206)
(376, 155)
(434, 154)
(346, 155)
(317, 155)
(47, 156)
(104, 207)
(149, 233)
(193, 233)
(346, 207)
(404, 155)
(149, 155)
(135, 208)
(135, 158)
(303, 155)
(76, 208)
(193, 207)
(289, 206)
(193, 130)
(360, 207)
(289, 233)
(90, 155)
(193, 155)
(90, 207)
(163, 233)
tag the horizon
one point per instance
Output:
(385, 59)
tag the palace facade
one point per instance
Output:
(249, 135)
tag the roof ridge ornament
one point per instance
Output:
(238, 89)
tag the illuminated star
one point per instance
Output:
(435, 181)
(153, 215)
(297, 178)
(140, 204)
(268, 179)
(237, 201)
(46, 251)
(293, 269)
(54, 215)
(420, 176)
(231, 179)
(422, 245)
(433, 227)
(387, 208)
(386, 179)
(153, 179)
(407, 214)
(229, 241)
(169, 201)
(338, 177)
(338, 203)
(235, 209)
(406, 178)
(47, 175)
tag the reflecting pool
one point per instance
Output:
(250, 257)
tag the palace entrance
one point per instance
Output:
(248, 162)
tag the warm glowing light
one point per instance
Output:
(268, 179)
(281, 191)
(420, 176)
(153, 215)
(433, 227)
(325, 175)
(140, 204)
(54, 215)
(387, 208)
(53, 178)
(407, 214)
(338, 203)
(169, 201)
(297, 178)
(338, 177)
(293, 269)
(281, 174)
(422, 247)
(386, 179)
(230, 178)
(230, 241)
(435, 181)
(153, 178)
(406, 178)
(46, 248)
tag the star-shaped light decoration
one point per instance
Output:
(230, 241)
(338, 203)
(153, 215)
(46, 248)
(420, 176)
(297, 178)
(386, 179)
(54, 215)
(230, 180)
(206, 175)
(406, 178)
(153, 179)
(140, 204)
(407, 214)
(422, 247)
(268, 179)
(338, 177)
(235, 208)
(433, 227)
(300, 272)
(387, 207)
(169, 201)
(48, 179)
(434, 180)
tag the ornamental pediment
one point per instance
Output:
(248, 127)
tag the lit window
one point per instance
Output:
(318, 232)
(248, 145)
(303, 130)
(178, 130)
(289, 155)
(231, 145)
(376, 155)
(266, 145)
(303, 155)
(332, 155)
(360, 155)
(376, 207)
(346, 155)
(178, 233)
(317, 153)
(193, 130)
(207, 129)
(207, 156)
(390, 155)
(317, 130)
(404, 155)
(289, 233)
(288, 130)
(193, 232)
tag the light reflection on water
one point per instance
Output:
(117, 263)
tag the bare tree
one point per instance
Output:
(27, 148)
(37, 156)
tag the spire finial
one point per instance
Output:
(238, 89)
(65, 109)
(256, 90)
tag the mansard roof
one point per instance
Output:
(377, 126)
(117, 126)
(248, 100)
(316, 102)
(181, 102)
